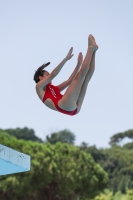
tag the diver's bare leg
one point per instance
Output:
(85, 84)
(70, 98)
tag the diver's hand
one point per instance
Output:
(69, 55)
(80, 59)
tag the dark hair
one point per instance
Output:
(40, 72)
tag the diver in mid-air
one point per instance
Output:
(70, 103)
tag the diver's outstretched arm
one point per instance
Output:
(66, 83)
(41, 84)
(79, 63)
(59, 67)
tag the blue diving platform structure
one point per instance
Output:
(12, 161)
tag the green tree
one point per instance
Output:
(84, 145)
(118, 163)
(116, 139)
(129, 134)
(64, 136)
(107, 195)
(128, 145)
(23, 133)
(95, 153)
(129, 195)
(59, 171)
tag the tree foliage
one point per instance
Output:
(128, 145)
(23, 133)
(117, 138)
(60, 171)
(118, 163)
(107, 195)
(129, 195)
(64, 136)
(84, 145)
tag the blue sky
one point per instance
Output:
(37, 31)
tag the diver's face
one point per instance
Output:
(45, 74)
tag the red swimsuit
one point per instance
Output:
(52, 92)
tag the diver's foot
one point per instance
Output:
(92, 43)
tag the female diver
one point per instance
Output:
(70, 103)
